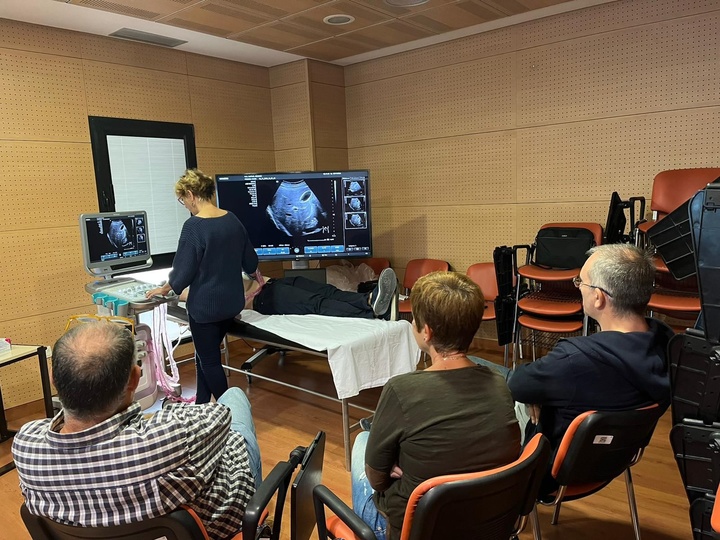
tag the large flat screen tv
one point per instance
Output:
(301, 215)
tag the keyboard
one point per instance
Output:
(133, 291)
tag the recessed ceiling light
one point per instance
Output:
(338, 20)
(406, 3)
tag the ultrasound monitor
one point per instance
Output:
(301, 215)
(115, 242)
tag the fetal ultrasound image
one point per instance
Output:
(296, 210)
(354, 204)
(353, 187)
(355, 221)
(118, 235)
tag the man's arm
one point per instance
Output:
(383, 447)
(547, 381)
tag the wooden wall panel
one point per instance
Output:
(322, 72)
(544, 119)
(51, 184)
(658, 67)
(298, 159)
(617, 154)
(437, 103)
(605, 18)
(52, 276)
(131, 53)
(214, 161)
(327, 159)
(474, 169)
(428, 58)
(227, 70)
(231, 115)
(42, 39)
(328, 115)
(130, 92)
(461, 235)
(530, 217)
(291, 117)
(287, 74)
(42, 97)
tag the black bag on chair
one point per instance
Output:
(562, 248)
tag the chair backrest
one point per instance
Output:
(487, 504)
(177, 525)
(556, 249)
(302, 510)
(599, 445)
(417, 268)
(483, 274)
(674, 187)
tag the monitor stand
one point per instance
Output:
(301, 265)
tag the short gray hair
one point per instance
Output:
(627, 273)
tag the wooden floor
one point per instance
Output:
(286, 418)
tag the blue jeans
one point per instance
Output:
(242, 423)
(362, 492)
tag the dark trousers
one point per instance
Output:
(207, 337)
(302, 296)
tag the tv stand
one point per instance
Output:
(301, 265)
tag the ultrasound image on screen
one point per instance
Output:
(296, 210)
(114, 238)
(354, 204)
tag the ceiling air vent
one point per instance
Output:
(147, 37)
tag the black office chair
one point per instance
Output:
(184, 524)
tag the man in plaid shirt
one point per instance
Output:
(99, 462)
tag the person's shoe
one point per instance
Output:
(383, 294)
(366, 423)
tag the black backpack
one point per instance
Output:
(563, 248)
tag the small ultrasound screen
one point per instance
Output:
(308, 215)
(112, 239)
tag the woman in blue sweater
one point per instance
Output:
(212, 253)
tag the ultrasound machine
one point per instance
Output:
(115, 243)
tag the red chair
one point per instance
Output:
(376, 263)
(483, 274)
(670, 189)
(416, 269)
(598, 447)
(493, 504)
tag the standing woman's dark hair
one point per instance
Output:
(212, 253)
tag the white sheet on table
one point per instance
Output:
(363, 353)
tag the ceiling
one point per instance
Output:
(271, 32)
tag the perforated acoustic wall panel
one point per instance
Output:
(291, 117)
(298, 159)
(129, 92)
(51, 183)
(437, 103)
(230, 115)
(473, 169)
(544, 120)
(52, 81)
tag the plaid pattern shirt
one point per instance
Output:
(127, 468)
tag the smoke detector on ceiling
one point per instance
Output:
(338, 20)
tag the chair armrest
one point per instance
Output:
(322, 497)
(278, 482)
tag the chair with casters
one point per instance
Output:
(551, 303)
(492, 504)
(598, 447)
(184, 524)
(670, 189)
(415, 269)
